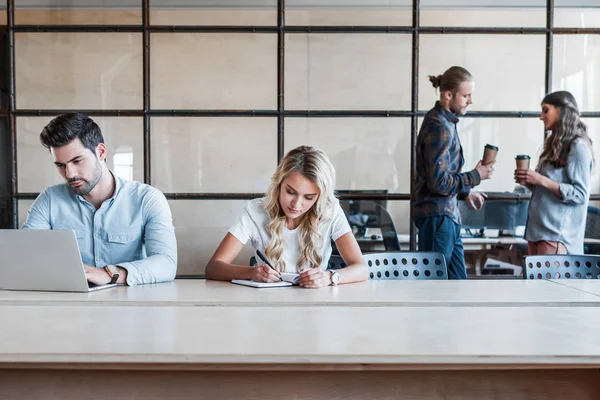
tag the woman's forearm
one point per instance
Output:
(353, 273)
(222, 271)
(551, 185)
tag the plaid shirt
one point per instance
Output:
(440, 159)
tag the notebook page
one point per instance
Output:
(261, 284)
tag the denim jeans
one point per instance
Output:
(442, 234)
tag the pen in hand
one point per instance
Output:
(264, 259)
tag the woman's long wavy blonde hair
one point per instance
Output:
(314, 165)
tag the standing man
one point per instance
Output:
(439, 180)
(124, 229)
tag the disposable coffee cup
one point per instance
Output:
(522, 161)
(489, 154)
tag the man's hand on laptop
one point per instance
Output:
(97, 276)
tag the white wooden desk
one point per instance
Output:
(591, 286)
(186, 293)
(50, 352)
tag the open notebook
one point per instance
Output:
(287, 279)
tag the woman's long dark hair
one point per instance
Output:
(567, 129)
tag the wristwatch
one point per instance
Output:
(113, 272)
(335, 278)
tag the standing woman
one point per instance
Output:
(293, 226)
(561, 182)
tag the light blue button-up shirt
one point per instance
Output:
(133, 229)
(563, 219)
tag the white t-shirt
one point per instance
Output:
(252, 225)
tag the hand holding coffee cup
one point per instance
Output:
(485, 167)
(485, 170)
(522, 170)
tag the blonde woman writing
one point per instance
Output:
(293, 226)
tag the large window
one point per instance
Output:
(201, 98)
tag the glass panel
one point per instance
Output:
(123, 137)
(593, 128)
(512, 135)
(3, 20)
(349, 13)
(24, 206)
(347, 71)
(213, 12)
(484, 13)
(78, 12)
(576, 68)
(368, 153)
(577, 14)
(400, 212)
(79, 70)
(520, 58)
(214, 71)
(200, 226)
(213, 154)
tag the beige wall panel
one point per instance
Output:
(577, 17)
(514, 17)
(68, 16)
(347, 71)
(346, 17)
(213, 154)
(483, 17)
(212, 17)
(214, 71)
(200, 225)
(78, 70)
(36, 170)
(508, 69)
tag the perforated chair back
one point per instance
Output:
(401, 265)
(567, 266)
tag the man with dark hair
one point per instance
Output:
(124, 228)
(439, 180)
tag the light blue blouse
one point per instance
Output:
(563, 219)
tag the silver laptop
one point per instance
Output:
(47, 260)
